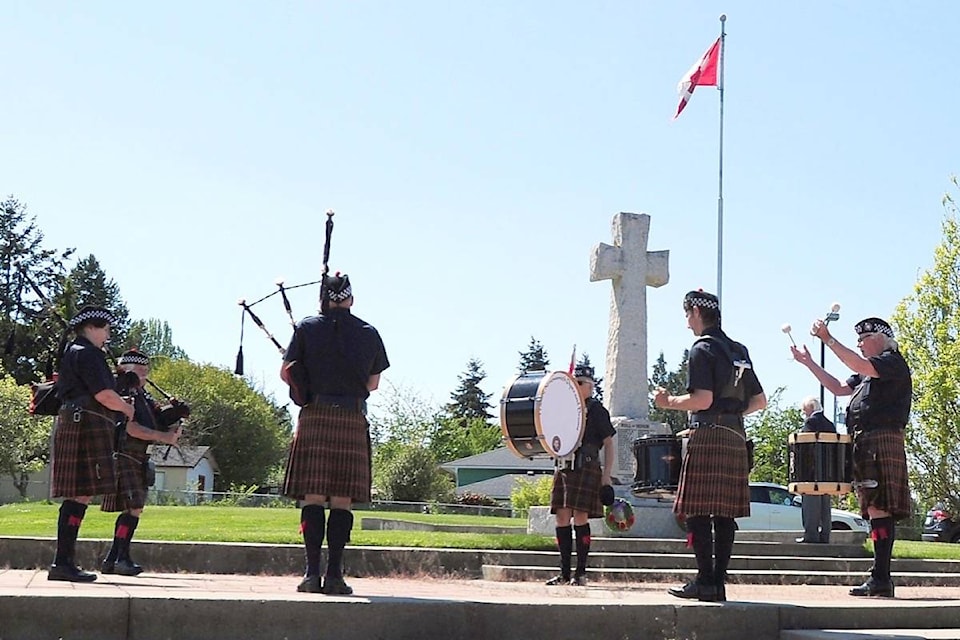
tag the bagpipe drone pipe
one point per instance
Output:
(296, 373)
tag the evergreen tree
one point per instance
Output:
(29, 274)
(535, 358)
(154, 338)
(469, 401)
(675, 382)
(87, 283)
(584, 361)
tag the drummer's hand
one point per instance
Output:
(661, 398)
(605, 480)
(819, 329)
(803, 357)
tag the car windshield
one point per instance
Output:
(780, 496)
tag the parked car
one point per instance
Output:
(773, 508)
(940, 526)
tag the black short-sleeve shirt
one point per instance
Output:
(710, 369)
(882, 402)
(83, 371)
(598, 426)
(339, 352)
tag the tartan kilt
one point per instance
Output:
(714, 477)
(880, 455)
(82, 456)
(329, 455)
(131, 489)
(577, 489)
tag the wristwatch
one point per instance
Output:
(831, 342)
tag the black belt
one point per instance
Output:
(351, 403)
(875, 428)
(716, 419)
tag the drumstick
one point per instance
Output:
(786, 329)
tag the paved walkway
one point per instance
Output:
(185, 585)
(156, 605)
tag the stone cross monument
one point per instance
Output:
(631, 268)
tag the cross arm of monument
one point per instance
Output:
(607, 263)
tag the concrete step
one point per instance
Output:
(534, 573)
(31, 553)
(870, 634)
(744, 545)
(746, 563)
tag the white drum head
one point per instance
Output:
(558, 414)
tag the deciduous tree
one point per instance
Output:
(927, 328)
(674, 382)
(248, 431)
(25, 438)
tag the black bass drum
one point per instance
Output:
(542, 413)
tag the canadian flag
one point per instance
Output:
(702, 73)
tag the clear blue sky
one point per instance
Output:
(475, 152)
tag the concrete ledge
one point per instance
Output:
(383, 524)
(871, 634)
(156, 606)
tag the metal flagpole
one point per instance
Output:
(723, 35)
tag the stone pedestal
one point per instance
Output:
(628, 430)
(654, 518)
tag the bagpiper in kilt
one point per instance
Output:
(881, 388)
(332, 364)
(714, 477)
(130, 493)
(577, 483)
(82, 444)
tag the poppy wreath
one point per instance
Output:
(619, 516)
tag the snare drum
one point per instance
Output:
(820, 463)
(542, 413)
(658, 460)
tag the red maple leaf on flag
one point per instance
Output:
(702, 73)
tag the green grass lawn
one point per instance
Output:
(262, 525)
(281, 526)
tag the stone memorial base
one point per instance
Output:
(654, 518)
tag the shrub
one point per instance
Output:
(531, 493)
(476, 499)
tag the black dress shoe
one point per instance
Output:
(335, 586)
(310, 584)
(874, 587)
(107, 567)
(721, 592)
(695, 591)
(127, 568)
(69, 573)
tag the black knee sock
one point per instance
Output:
(581, 533)
(700, 537)
(884, 532)
(338, 533)
(68, 527)
(725, 530)
(565, 546)
(312, 524)
(122, 532)
(125, 531)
